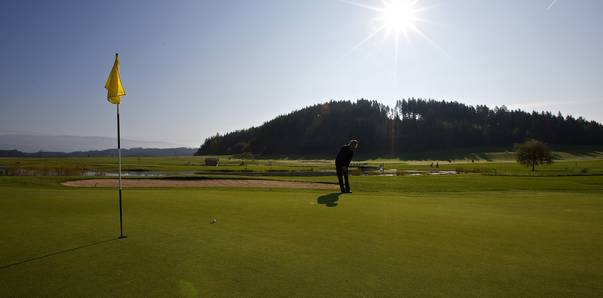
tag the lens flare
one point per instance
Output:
(396, 18)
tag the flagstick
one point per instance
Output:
(121, 231)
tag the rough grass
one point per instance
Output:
(466, 235)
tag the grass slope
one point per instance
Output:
(466, 235)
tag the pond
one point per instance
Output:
(97, 173)
(87, 172)
(412, 173)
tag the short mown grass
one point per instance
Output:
(463, 235)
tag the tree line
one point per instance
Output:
(411, 125)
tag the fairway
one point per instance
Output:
(464, 235)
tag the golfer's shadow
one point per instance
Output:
(329, 200)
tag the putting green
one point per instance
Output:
(470, 236)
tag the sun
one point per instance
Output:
(398, 16)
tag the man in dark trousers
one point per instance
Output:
(342, 162)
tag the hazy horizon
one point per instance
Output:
(192, 69)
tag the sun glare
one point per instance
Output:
(397, 16)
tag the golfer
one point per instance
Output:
(342, 162)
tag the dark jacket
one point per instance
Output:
(344, 157)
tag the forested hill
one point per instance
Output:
(412, 125)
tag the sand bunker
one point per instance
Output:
(133, 183)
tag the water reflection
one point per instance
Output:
(139, 174)
(86, 172)
(16, 171)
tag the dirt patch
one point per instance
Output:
(133, 183)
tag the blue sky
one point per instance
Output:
(195, 68)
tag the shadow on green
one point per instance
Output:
(329, 200)
(57, 253)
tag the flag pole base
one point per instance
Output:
(122, 237)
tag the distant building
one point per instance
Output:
(212, 161)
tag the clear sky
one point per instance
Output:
(195, 68)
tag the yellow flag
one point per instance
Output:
(115, 90)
